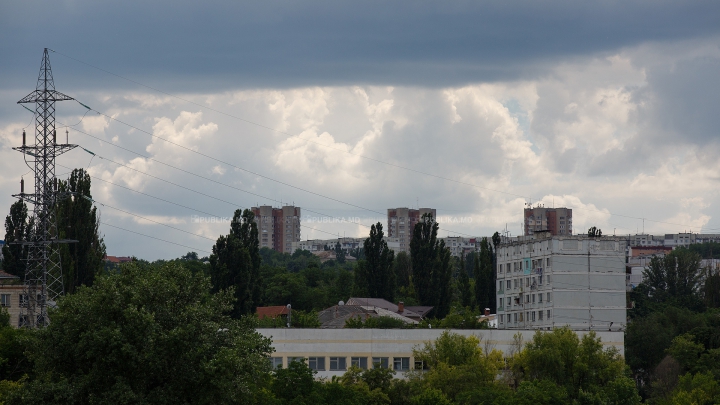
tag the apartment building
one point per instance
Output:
(401, 222)
(460, 246)
(278, 228)
(318, 245)
(556, 220)
(11, 296)
(546, 281)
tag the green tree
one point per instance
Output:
(675, 279)
(18, 227)
(339, 253)
(463, 283)
(235, 262)
(485, 277)
(580, 366)
(456, 365)
(148, 334)
(403, 269)
(374, 275)
(78, 219)
(14, 363)
(594, 232)
(431, 269)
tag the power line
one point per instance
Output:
(152, 237)
(187, 188)
(230, 186)
(323, 145)
(286, 133)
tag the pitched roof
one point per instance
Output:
(7, 276)
(335, 316)
(271, 312)
(419, 309)
(384, 304)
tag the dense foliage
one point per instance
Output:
(148, 334)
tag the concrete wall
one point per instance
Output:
(390, 343)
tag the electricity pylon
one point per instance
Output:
(43, 274)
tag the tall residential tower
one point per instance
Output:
(278, 228)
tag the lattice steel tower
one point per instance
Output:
(43, 274)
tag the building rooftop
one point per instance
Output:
(271, 312)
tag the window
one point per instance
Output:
(540, 279)
(502, 318)
(22, 321)
(499, 268)
(5, 300)
(548, 314)
(316, 363)
(501, 302)
(296, 359)
(540, 315)
(548, 278)
(527, 281)
(516, 283)
(508, 284)
(549, 297)
(401, 363)
(507, 267)
(527, 299)
(276, 362)
(533, 298)
(540, 299)
(360, 362)
(338, 363)
(380, 362)
(547, 264)
(515, 317)
(23, 300)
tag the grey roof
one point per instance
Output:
(419, 309)
(335, 316)
(384, 304)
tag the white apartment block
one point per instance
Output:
(318, 245)
(460, 246)
(546, 281)
(278, 228)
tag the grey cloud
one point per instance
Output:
(218, 44)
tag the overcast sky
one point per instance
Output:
(349, 108)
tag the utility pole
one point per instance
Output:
(43, 275)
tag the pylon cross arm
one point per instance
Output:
(44, 95)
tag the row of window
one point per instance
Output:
(5, 300)
(529, 299)
(516, 267)
(518, 282)
(341, 364)
(529, 316)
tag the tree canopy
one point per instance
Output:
(148, 334)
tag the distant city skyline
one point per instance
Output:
(474, 109)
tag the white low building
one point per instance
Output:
(332, 351)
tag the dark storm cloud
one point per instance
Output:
(291, 43)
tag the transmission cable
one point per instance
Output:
(341, 150)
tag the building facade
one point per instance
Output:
(401, 222)
(546, 281)
(556, 220)
(278, 228)
(330, 352)
(318, 245)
